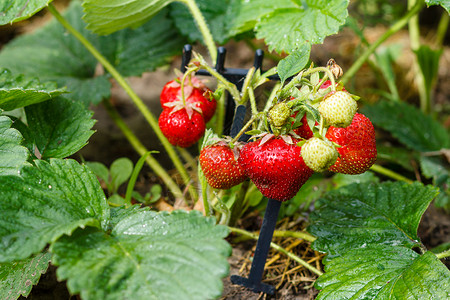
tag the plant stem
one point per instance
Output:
(278, 248)
(137, 145)
(245, 86)
(244, 129)
(414, 37)
(393, 29)
(389, 173)
(220, 114)
(137, 101)
(295, 234)
(230, 87)
(203, 27)
(442, 29)
(188, 157)
(444, 254)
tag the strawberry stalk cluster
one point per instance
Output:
(311, 125)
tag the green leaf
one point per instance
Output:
(314, 188)
(108, 16)
(409, 125)
(435, 168)
(59, 127)
(218, 14)
(294, 63)
(99, 169)
(339, 180)
(147, 255)
(120, 171)
(444, 3)
(249, 13)
(428, 60)
(16, 10)
(58, 56)
(359, 215)
(384, 272)
(17, 278)
(398, 155)
(385, 58)
(145, 48)
(19, 91)
(12, 155)
(47, 201)
(286, 25)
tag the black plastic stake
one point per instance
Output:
(237, 76)
(253, 282)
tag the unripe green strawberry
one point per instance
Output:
(220, 167)
(338, 109)
(358, 151)
(279, 114)
(319, 154)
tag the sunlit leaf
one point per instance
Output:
(16, 10)
(55, 55)
(444, 3)
(384, 272)
(147, 255)
(18, 277)
(359, 215)
(294, 63)
(59, 127)
(108, 16)
(287, 25)
(12, 154)
(18, 91)
(48, 200)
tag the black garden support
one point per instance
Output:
(235, 116)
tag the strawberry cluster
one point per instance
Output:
(185, 112)
(279, 164)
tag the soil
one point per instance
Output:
(292, 282)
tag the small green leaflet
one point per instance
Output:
(18, 277)
(59, 127)
(409, 125)
(444, 3)
(286, 25)
(359, 215)
(384, 272)
(147, 255)
(19, 91)
(12, 155)
(48, 200)
(294, 63)
(428, 60)
(108, 16)
(16, 10)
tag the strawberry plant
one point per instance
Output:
(360, 172)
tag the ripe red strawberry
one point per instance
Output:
(358, 152)
(180, 129)
(304, 130)
(276, 168)
(327, 83)
(195, 92)
(220, 166)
